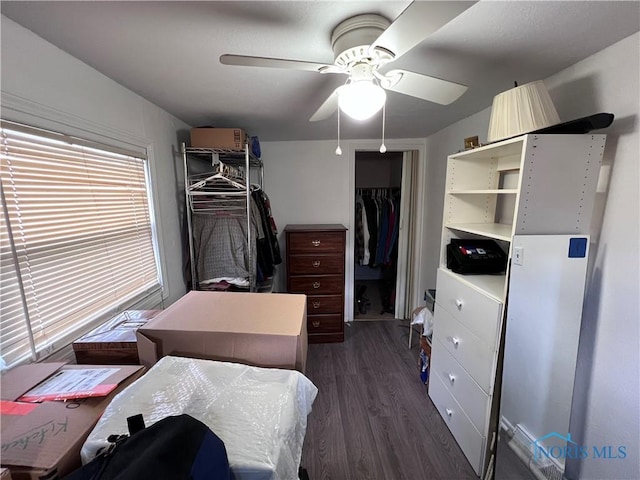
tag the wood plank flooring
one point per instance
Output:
(372, 418)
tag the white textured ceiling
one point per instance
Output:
(168, 53)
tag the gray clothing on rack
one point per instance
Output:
(220, 244)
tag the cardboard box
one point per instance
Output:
(228, 138)
(44, 439)
(114, 342)
(264, 330)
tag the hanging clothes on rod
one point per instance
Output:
(268, 255)
(233, 241)
(377, 225)
(220, 235)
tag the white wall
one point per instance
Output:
(44, 86)
(439, 145)
(307, 183)
(606, 400)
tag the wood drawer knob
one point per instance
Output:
(315, 323)
(316, 304)
(315, 284)
(315, 243)
(316, 263)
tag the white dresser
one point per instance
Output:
(528, 185)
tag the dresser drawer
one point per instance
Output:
(470, 440)
(316, 284)
(469, 351)
(316, 242)
(315, 264)
(476, 311)
(473, 400)
(325, 323)
(319, 304)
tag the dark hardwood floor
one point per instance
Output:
(372, 418)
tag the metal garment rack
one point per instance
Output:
(229, 185)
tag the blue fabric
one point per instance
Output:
(396, 227)
(211, 460)
(382, 233)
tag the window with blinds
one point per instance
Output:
(77, 238)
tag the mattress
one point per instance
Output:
(259, 413)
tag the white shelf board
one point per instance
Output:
(498, 231)
(484, 192)
(512, 146)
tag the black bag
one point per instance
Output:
(469, 257)
(173, 448)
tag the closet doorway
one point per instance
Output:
(381, 234)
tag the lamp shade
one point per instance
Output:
(522, 109)
(361, 100)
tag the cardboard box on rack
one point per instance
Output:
(44, 439)
(264, 330)
(210, 137)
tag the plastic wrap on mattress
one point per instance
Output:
(259, 413)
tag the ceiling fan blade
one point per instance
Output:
(419, 20)
(427, 88)
(329, 106)
(247, 61)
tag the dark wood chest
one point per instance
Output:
(315, 267)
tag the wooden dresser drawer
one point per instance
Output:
(473, 400)
(315, 267)
(478, 312)
(316, 284)
(315, 264)
(468, 437)
(324, 323)
(473, 354)
(316, 242)
(319, 304)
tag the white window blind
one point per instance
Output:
(77, 238)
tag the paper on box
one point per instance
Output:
(40, 439)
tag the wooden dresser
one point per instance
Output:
(315, 267)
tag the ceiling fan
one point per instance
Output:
(363, 46)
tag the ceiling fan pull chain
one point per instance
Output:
(383, 148)
(338, 149)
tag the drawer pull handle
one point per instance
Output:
(449, 412)
(452, 377)
(316, 285)
(459, 304)
(315, 323)
(316, 263)
(455, 341)
(316, 304)
(315, 243)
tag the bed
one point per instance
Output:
(259, 413)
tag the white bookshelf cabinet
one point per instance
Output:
(528, 185)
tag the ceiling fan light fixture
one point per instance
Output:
(362, 99)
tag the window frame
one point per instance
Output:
(98, 136)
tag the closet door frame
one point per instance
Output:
(414, 276)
